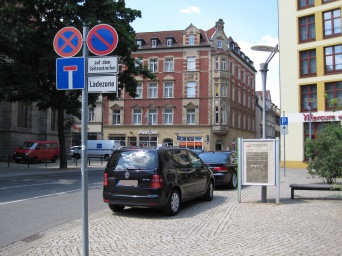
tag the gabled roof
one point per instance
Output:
(268, 94)
(177, 35)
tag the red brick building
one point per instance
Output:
(204, 95)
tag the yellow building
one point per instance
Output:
(310, 71)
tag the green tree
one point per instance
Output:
(326, 152)
(28, 59)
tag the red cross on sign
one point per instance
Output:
(68, 42)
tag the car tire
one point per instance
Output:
(54, 159)
(173, 204)
(116, 207)
(209, 194)
(77, 156)
(233, 181)
(34, 160)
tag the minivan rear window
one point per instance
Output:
(135, 159)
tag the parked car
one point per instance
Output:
(198, 151)
(156, 178)
(73, 149)
(224, 166)
(35, 151)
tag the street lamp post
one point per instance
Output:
(309, 103)
(263, 71)
(149, 128)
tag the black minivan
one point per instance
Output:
(156, 178)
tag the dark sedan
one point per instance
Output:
(224, 166)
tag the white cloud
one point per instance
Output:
(191, 9)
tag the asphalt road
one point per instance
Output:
(30, 205)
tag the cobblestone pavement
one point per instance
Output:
(310, 224)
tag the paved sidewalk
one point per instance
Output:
(310, 224)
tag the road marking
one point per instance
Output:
(27, 185)
(49, 195)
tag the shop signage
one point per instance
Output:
(319, 118)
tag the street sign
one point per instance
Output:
(100, 65)
(98, 84)
(102, 39)
(284, 129)
(70, 73)
(284, 120)
(68, 42)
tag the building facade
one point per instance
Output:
(311, 71)
(203, 97)
(20, 122)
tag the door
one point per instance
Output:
(201, 176)
(185, 173)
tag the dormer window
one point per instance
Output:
(139, 43)
(154, 43)
(191, 39)
(169, 42)
(219, 44)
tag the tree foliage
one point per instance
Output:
(326, 153)
(28, 59)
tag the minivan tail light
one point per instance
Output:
(105, 179)
(157, 181)
(220, 169)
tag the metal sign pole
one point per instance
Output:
(84, 136)
(284, 152)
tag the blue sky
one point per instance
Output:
(248, 22)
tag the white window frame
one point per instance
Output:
(168, 89)
(168, 116)
(153, 90)
(169, 42)
(191, 89)
(91, 115)
(191, 63)
(191, 39)
(153, 64)
(190, 116)
(139, 91)
(139, 43)
(216, 63)
(152, 115)
(224, 115)
(223, 63)
(137, 116)
(168, 66)
(224, 89)
(154, 43)
(219, 44)
(116, 116)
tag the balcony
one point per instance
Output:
(220, 129)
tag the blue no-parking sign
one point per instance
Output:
(102, 39)
(70, 73)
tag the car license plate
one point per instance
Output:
(127, 183)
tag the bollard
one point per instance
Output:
(9, 161)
